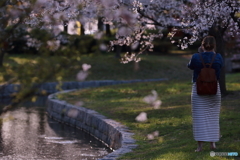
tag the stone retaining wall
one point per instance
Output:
(110, 132)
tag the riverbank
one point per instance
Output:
(172, 121)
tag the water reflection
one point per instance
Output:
(27, 133)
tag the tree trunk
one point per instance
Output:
(118, 51)
(108, 31)
(100, 24)
(65, 26)
(217, 32)
(82, 29)
(1, 57)
(221, 50)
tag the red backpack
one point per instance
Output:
(207, 80)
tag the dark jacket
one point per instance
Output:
(195, 63)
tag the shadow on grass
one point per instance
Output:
(173, 120)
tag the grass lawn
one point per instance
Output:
(173, 120)
(107, 67)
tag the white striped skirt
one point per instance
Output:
(205, 116)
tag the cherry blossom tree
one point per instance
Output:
(138, 23)
(197, 18)
(135, 19)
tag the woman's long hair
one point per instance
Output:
(209, 43)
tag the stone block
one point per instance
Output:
(88, 119)
(80, 85)
(72, 122)
(103, 137)
(95, 122)
(81, 116)
(87, 84)
(97, 134)
(79, 125)
(91, 130)
(66, 119)
(103, 127)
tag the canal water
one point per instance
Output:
(27, 133)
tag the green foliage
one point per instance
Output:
(85, 43)
(40, 34)
(18, 42)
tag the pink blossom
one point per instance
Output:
(142, 117)
(124, 31)
(103, 47)
(53, 45)
(72, 113)
(151, 98)
(79, 103)
(81, 76)
(150, 137)
(157, 104)
(86, 67)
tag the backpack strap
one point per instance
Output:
(210, 64)
(214, 55)
(202, 60)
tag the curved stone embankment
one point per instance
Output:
(110, 132)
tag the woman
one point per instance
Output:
(206, 108)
